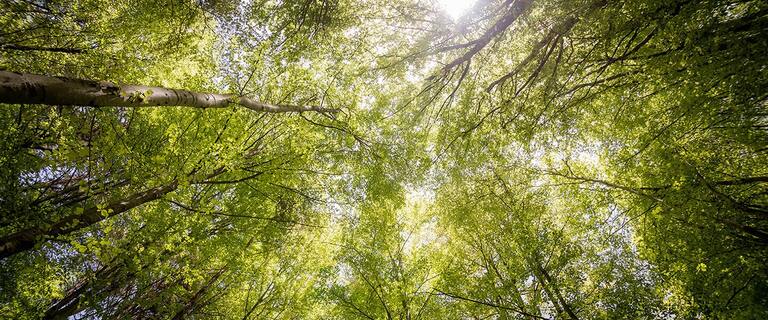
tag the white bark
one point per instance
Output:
(38, 89)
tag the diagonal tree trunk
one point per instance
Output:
(37, 48)
(26, 239)
(193, 302)
(552, 290)
(38, 89)
(71, 303)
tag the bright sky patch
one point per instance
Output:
(456, 8)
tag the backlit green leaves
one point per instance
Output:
(546, 159)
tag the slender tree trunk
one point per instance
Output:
(71, 303)
(26, 239)
(103, 281)
(67, 305)
(193, 302)
(38, 89)
(36, 48)
(516, 294)
(550, 288)
(258, 302)
(549, 294)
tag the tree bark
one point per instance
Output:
(26, 239)
(195, 299)
(550, 288)
(35, 48)
(71, 303)
(38, 89)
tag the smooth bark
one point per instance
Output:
(24, 88)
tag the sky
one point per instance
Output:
(456, 8)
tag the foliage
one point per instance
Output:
(540, 159)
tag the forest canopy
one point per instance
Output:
(366, 159)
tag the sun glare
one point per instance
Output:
(456, 8)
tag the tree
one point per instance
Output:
(335, 159)
(37, 89)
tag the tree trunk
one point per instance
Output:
(71, 303)
(26, 239)
(36, 48)
(195, 299)
(104, 281)
(38, 89)
(550, 288)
